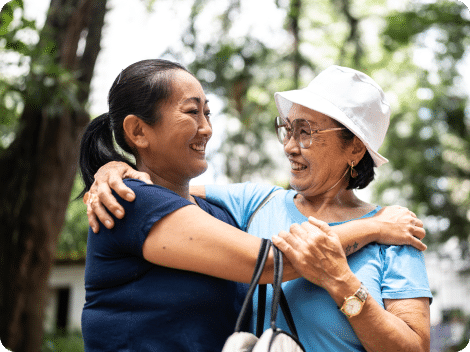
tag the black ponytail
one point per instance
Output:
(97, 148)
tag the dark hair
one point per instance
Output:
(139, 90)
(365, 167)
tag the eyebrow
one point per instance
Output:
(196, 99)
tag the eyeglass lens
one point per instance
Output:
(299, 127)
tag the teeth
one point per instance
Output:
(296, 166)
(198, 147)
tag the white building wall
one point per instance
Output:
(450, 289)
(67, 276)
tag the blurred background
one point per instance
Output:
(58, 59)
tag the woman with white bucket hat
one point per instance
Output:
(378, 297)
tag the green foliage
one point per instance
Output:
(73, 238)
(30, 74)
(428, 142)
(63, 342)
(14, 54)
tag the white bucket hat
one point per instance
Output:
(348, 96)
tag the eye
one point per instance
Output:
(208, 114)
(304, 131)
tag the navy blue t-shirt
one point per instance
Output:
(134, 305)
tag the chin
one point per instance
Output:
(294, 185)
(200, 169)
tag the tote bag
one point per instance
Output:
(273, 339)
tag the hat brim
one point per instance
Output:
(285, 100)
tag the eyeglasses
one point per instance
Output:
(300, 129)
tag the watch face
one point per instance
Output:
(352, 306)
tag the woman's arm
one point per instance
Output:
(391, 225)
(191, 239)
(403, 325)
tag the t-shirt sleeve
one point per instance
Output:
(404, 273)
(240, 199)
(151, 203)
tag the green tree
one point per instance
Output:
(429, 137)
(43, 114)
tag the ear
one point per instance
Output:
(134, 130)
(358, 149)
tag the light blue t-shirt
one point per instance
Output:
(388, 272)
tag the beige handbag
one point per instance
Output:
(273, 339)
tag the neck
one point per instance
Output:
(175, 183)
(335, 204)
(332, 206)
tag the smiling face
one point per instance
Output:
(177, 142)
(316, 169)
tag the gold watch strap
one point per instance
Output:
(362, 293)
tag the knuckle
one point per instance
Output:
(294, 227)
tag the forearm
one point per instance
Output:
(356, 234)
(191, 239)
(198, 191)
(381, 330)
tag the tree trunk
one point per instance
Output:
(37, 173)
(294, 17)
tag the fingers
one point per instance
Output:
(419, 232)
(415, 242)
(281, 243)
(115, 183)
(92, 221)
(320, 224)
(143, 176)
(96, 211)
(418, 222)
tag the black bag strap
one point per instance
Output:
(259, 266)
(261, 310)
(278, 299)
(287, 314)
(263, 203)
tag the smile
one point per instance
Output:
(199, 147)
(296, 166)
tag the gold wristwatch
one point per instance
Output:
(352, 305)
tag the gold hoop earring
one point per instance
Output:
(353, 171)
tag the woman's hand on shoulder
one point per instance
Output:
(400, 226)
(99, 199)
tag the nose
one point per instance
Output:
(205, 127)
(291, 147)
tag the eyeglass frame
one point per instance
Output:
(287, 138)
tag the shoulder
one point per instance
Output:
(216, 211)
(146, 194)
(151, 203)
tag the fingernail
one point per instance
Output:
(119, 213)
(94, 229)
(107, 223)
(130, 196)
